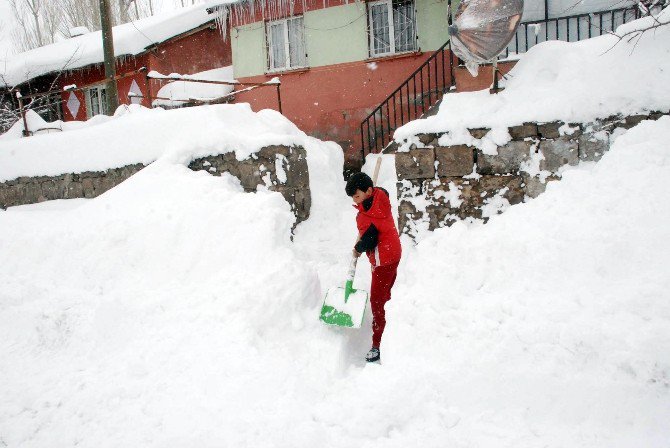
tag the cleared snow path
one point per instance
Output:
(174, 311)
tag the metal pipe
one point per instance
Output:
(279, 98)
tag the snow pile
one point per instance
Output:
(572, 82)
(129, 39)
(140, 135)
(179, 92)
(175, 311)
(550, 325)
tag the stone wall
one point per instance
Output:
(279, 168)
(438, 185)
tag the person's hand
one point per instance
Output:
(355, 253)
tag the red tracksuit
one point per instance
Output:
(379, 239)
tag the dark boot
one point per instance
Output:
(373, 355)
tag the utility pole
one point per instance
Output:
(110, 60)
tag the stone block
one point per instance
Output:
(32, 193)
(558, 152)
(633, 120)
(249, 174)
(74, 190)
(51, 190)
(549, 130)
(428, 139)
(656, 115)
(478, 133)
(507, 161)
(415, 164)
(87, 186)
(454, 160)
(533, 186)
(406, 213)
(297, 173)
(592, 148)
(525, 130)
(489, 186)
(268, 152)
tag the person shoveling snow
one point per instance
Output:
(378, 237)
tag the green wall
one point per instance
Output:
(248, 45)
(336, 35)
(431, 23)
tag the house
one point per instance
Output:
(336, 59)
(186, 41)
(350, 71)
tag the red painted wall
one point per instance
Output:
(330, 102)
(203, 50)
(200, 51)
(465, 82)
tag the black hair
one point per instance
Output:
(358, 181)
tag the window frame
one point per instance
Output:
(102, 104)
(391, 24)
(287, 44)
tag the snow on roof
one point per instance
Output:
(572, 82)
(129, 39)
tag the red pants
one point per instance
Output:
(383, 278)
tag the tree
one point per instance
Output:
(38, 23)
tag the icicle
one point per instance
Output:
(221, 20)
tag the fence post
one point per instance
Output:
(279, 97)
(26, 132)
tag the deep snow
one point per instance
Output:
(574, 82)
(175, 311)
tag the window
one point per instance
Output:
(96, 101)
(392, 27)
(286, 43)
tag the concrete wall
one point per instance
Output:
(259, 169)
(439, 185)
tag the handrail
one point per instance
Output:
(571, 28)
(396, 109)
(434, 77)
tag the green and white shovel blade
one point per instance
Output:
(336, 311)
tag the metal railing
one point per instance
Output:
(570, 28)
(428, 83)
(421, 90)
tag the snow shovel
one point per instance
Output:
(345, 307)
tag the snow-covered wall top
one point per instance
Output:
(571, 82)
(80, 51)
(140, 135)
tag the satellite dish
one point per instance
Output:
(482, 29)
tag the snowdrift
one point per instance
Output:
(570, 82)
(139, 135)
(174, 311)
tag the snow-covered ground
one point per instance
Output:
(175, 310)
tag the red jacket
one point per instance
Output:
(388, 249)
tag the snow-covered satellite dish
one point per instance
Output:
(482, 29)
